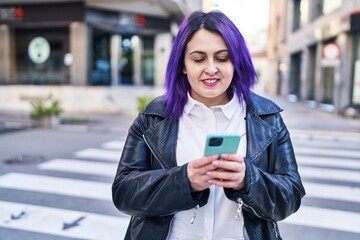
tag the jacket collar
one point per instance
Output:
(156, 107)
(261, 106)
(257, 105)
(259, 133)
(162, 135)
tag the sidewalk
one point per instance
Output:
(15, 121)
(296, 116)
(300, 116)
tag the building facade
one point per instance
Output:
(315, 52)
(95, 56)
(87, 42)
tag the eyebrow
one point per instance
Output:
(201, 52)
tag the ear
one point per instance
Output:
(184, 71)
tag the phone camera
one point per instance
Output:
(215, 141)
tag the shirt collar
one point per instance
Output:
(228, 109)
(189, 106)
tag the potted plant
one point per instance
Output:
(46, 111)
(143, 101)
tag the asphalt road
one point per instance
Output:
(55, 183)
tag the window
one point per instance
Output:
(295, 72)
(356, 71)
(331, 5)
(148, 61)
(325, 7)
(301, 13)
(318, 9)
(100, 73)
(33, 69)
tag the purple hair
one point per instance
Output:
(176, 82)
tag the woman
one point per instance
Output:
(163, 180)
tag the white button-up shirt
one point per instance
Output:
(216, 220)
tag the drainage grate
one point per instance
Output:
(24, 159)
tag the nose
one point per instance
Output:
(211, 68)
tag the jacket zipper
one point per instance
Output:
(240, 204)
(252, 210)
(194, 216)
(257, 215)
(275, 229)
(191, 221)
(143, 136)
(238, 215)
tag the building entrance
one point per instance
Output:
(328, 85)
(295, 70)
(100, 73)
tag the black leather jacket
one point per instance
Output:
(151, 187)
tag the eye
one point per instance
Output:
(222, 59)
(199, 60)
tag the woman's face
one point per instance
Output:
(208, 68)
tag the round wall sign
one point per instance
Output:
(331, 51)
(39, 50)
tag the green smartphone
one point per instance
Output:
(218, 143)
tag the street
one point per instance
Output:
(55, 184)
(329, 164)
(66, 193)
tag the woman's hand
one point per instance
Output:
(197, 172)
(228, 172)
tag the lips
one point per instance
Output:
(210, 81)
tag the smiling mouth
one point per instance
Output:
(210, 82)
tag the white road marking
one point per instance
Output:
(99, 154)
(330, 174)
(324, 136)
(325, 218)
(329, 162)
(327, 152)
(80, 166)
(325, 191)
(50, 221)
(56, 185)
(354, 146)
(117, 145)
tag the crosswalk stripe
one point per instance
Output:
(325, 218)
(322, 144)
(51, 221)
(330, 174)
(56, 185)
(99, 154)
(334, 192)
(327, 152)
(330, 162)
(324, 136)
(118, 145)
(80, 166)
(326, 149)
